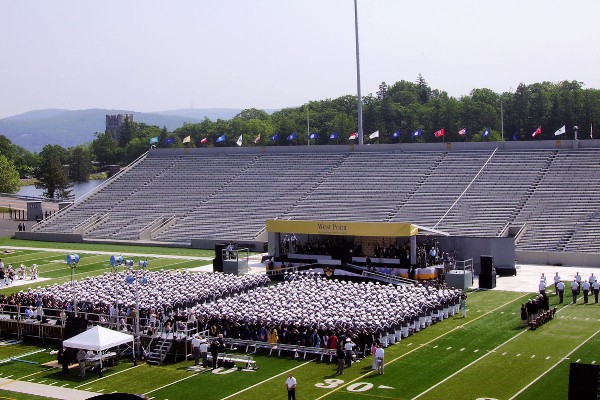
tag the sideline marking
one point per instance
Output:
(106, 376)
(552, 367)
(266, 380)
(431, 341)
(475, 361)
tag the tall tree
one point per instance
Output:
(80, 163)
(9, 176)
(51, 174)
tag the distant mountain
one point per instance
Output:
(34, 129)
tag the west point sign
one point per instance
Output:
(343, 228)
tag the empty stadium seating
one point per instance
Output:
(553, 192)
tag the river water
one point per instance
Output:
(79, 189)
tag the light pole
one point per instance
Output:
(358, 95)
(73, 260)
(131, 279)
(115, 263)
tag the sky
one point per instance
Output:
(150, 55)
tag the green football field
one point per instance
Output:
(488, 355)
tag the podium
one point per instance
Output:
(235, 261)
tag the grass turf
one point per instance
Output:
(489, 354)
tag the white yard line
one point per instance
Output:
(107, 376)
(476, 361)
(554, 366)
(266, 380)
(431, 341)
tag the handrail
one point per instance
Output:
(467, 188)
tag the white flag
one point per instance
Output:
(560, 131)
(374, 135)
(239, 141)
(186, 139)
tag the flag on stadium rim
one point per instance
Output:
(293, 136)
(334, 135)
(515, 136)
(560, 131)
(538, 131)
(353, 136)
(439, 133)
(186, 139)
(239, 141)
(275, 137)
(221, 139)
(462, 132)
(374, 135)
(486, 132)
(204, 141)
(169, 140)
(417, 133)
(591, 130)
(257, 139)
(396, 134)
(312, 135)
(154, 140)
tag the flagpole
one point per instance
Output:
(307, 126)
(359, 98)
(502, 120)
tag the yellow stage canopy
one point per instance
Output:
(343, 228)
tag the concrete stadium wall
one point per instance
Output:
(501, 248)
(559, 258)
(50, 237)
(209, 244)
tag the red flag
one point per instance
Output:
(353, 136)
(439, 133)
(538, 131)
(204, 141)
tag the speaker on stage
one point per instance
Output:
(583, 381)
(487, 281)
(74, 326)
(487, 264)
(218, 260)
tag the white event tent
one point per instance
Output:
(98, 339)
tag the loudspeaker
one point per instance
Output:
(583, 381)
(487, 281)
(218, 260)
(74, 326)
(487, 264)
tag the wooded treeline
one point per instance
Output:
(402, 108)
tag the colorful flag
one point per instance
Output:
(186, 139)
(204, 141)
(293, 136)
(486, 132)
(221, 139)
(257, 139)
(515, 136)
(275, 137)
(462, 132)
(334, 135)
(353, 136)
(538, 131)
(591, 130)
(239, 141)
(169, 140)
(396, 134)
(374, 135)
(560, 131)
(313, 135)
(154, 140)
(416, 133)
(439, 133)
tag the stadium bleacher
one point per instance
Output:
(469, 191)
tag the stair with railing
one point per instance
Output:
(159, 350)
